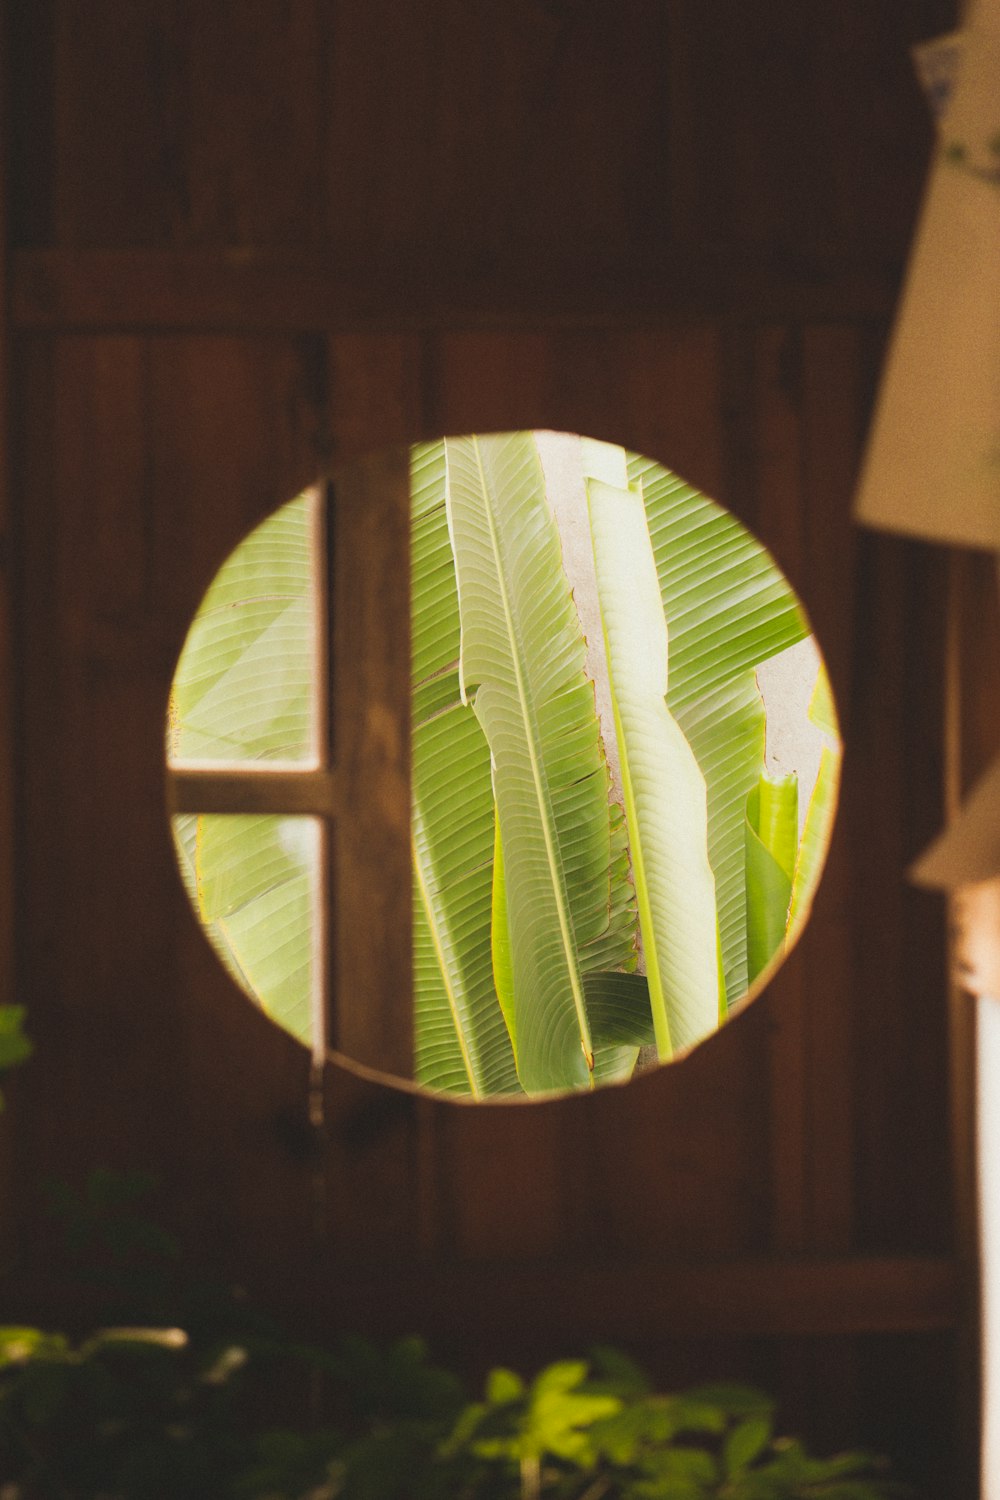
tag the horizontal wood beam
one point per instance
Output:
(649, 1302)
(280, 291)
(252, 789)
(633, 1302)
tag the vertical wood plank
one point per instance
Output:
(767, 146)
(29, 137)
(477, 138)
(373, 1018)
(7, 774)
(892, 806)
(141, 467)
(831, 429)
(379, 1172)
(232, 434)
(118, 107)
(256, 106)
(8, 792)
(778, 520)
(666, 393)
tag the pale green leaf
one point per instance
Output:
(768, 882)
(244, 685)
(778, 817)
(15, 1046)
(665, 799)
(522, 656)
(461, 1044)
(503, 968)
(255, 881)
(822, 709)
(745, 1443)
(816, 834)
(728, 608)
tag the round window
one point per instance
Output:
(625, 761)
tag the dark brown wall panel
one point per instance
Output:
(481, 192)
(141, 465)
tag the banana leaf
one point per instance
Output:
(771, 841)
(461, 1044)
(818, 828)
(521, 667)
(728, 608)
(254, 881)
(665, 799)
(243, 689)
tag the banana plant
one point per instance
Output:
(561, 921)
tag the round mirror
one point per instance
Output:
(625, 761)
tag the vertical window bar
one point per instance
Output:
(324, 935)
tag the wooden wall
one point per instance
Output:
(249, 240)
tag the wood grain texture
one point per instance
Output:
(8, 784)
(249, 790)
(133, 493)
(255, 289)
(254, 244)
(8, 774)
(784, 121)
(372, 1020)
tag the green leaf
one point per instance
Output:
(665, 799)
(19, 1345)
(15, 1047)
(461, 1042)
(822, 709)
(614, 1064)
(560, 1410)
(244, 685)
(244, 690)
(255, 882)
(816, 834)
(618, 1006)
(728, 608)
(730, 1399)
(768, 883)
(778, 817)
(745, 1443)
(522, 656)
(503, 967)
(504, 1386)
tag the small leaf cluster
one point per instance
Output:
(15, 1048)
(189, 1393)
(584, 1431)
(135, 1413)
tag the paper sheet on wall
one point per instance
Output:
(968, 851)
(932, 467)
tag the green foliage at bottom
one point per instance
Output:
(189, 1394)
(150, 1413)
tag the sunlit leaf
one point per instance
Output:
(728, 608)
(522, 656)
(461, 1043)
(244, 685)
(815, 841)
(665, 800)
(771, 834)
(255, 882)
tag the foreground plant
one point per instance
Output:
(15, 1047)
(138, 1413)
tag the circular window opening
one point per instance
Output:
(625, 760)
